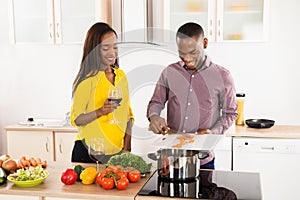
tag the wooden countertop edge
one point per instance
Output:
(43, 194)
(41, 128)
(277, 131)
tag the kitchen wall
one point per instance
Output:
(36, 80)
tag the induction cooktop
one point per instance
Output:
(210, 184)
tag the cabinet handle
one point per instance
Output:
(219, 25)
(50, 31)
(47, 147)
(57, 32)
(60, 148)
(210, 29)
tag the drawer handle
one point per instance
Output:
(268, 148)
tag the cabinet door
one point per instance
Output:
(223, 153)
(134, 32)
(64, 142)
(222, 20)
(74, 18)
(242, 20)
(30, 144)
(16, 197)
(177, 12)
(54, 21)
(33, 21)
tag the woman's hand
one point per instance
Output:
(108, 107)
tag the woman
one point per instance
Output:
(91, 112)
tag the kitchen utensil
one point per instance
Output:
(260, 123)
(178, 164)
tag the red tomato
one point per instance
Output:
(112, 168)
(134, 176)
(99, 178)
(107, 183)
(122, 183)
(122, 174)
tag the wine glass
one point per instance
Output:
(115, 94)
(96, 150)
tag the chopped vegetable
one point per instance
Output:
(130, 160)
(32, 173)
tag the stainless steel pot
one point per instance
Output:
(178, 164)
(188, 189)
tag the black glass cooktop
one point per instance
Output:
(210, 184)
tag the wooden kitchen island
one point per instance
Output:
(53, 188)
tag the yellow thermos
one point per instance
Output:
(240, 110)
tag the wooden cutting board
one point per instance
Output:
(188, 141)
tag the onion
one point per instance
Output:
(10, 166)
(4, 157)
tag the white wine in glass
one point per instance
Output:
(97, 150)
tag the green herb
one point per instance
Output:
(130, 160)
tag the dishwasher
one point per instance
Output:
(277, 161)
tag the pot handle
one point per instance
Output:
(203, 155)
(153, 156)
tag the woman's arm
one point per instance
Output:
(127, 137)
(86, 118)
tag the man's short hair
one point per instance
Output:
(189, 29)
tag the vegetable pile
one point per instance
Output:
(117, 176)
(128, 159)
(32, 173)
(112, 177)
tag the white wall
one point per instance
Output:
(36, 80)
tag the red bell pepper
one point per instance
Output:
(69, 176)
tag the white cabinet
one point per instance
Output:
(223, 154)
(64, 143)
(222, 20)
(50, 145)
(30, 144)
(16, 197)
(277, 160)
(53, 21)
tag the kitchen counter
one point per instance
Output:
(277, 131)
(53, 187)
(41, 128)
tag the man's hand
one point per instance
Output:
(158, 125)
(204, 131)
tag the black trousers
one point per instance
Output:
(80, 153)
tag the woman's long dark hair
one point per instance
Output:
(90, 63)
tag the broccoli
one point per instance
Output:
(130, 160)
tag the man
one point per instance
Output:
(200, 94)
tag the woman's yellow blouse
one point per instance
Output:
(91, 95)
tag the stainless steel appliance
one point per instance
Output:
(210, 184)
(178, 164)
